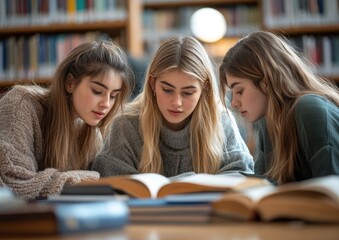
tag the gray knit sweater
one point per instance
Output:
(122, 153)
(22, 146)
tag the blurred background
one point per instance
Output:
(35, 35)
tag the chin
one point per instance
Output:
(93, 124)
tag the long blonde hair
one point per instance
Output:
(71, 144)
(264, 56)
(185, 54)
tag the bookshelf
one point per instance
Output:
(36, 35)
(163, 19)
(313, 26)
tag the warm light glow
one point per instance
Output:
(208, 25)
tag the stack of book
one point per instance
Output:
(18, 217)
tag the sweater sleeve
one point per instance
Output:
(121, 153)
(237, 157)
(318, 132)
(21, 148)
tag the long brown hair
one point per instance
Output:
(264, 56)
(71, 144)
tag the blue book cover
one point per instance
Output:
(43, 219)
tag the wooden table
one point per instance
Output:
(231, 230)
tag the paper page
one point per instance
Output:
(224, 180)
(257, 193)
(327, 184)
(152, 180)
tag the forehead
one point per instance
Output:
(178, 78)
(233, 81)
(110, 79)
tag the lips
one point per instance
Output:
(243, 113)
(175, 112)
(99, 114)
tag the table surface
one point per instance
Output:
(229, 230)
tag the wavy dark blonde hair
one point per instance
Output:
(70, 144)
(185, 54)
(264, 56)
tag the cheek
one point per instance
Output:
(84, 98)
(192, 102)
(260, 103)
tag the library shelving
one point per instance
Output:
(312, 26)
(162, 19)
(36, 35)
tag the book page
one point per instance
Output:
(225, 180)
(152, 180)
(327, 185)
(210, 183)
(255, 194)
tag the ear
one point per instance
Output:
(151, 82)
(263, 86)
(207, 85)
(70, 83)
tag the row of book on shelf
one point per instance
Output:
(34, 57)
(113, 202)
(31, 12)
(287, 13)
(321, 51)
(37, 56)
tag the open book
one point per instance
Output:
(151, 185)
(314, 200)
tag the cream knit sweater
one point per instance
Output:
(22, 146)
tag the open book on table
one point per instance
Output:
(314, 200)
(151, 185)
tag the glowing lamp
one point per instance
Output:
(208, 25)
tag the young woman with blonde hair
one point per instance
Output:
(295, 111)
(175, 126)
(48, 137)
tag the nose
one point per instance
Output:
(177, 100)
(105, 102)
(234, 102)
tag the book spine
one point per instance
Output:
(84, 217)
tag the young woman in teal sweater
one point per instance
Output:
(295, 112)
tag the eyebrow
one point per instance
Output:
(104, 86)
(233, 85)
(170, 85)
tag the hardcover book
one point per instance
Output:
(314, 200)
(52, 219)
(160, 211)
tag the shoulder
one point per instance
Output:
(315, 115)
(314, 105)
(229, 122)
(23, 97)
(126, 122)
(21, 111)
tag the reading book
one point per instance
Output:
(314, 200)
(47, 219)
(151, 185)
